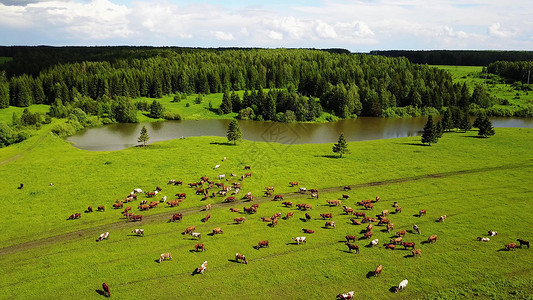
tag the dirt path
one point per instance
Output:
(164, 216)
(24, 151)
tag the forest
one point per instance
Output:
(457, 57)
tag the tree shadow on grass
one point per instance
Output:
(414, 144)
(474, 136)
(328, 156)
(222, 143)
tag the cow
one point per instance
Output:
(74, 216)
(383, 221)
(293, 183)
(313, 190)
(239, 220)
(417, 252)
(189, 229)
(346, 296)
(390, 246)
(262, 244)
(137, 191)
(351, 238)
(176, 217)
(334, 202)
(421, 212)
(247, 175)
(105, 287)
(326, 216)
(287, 204)
(165, 256)
(138, 232)
(207, 207)
(278, 197)
(359, 214)
(374, 243)
(347, 188)
(314, 195)
(206, 218)
(234, 210)
(492, 233)
(310, 231)
(307, 217)
(289, 214)
(368, 206)
(402, 285)
(344, 196)
(103, 236)
(217, 230)
(510, 246)
(378, 270)
(408, 244)
(396, 241)
(199, 246)
(241, 257)
(369, 227)
(274, 222)
(355, 222)
(398, 210)
(329, 224)
(269, 188)
(377, 199)
(250, 210)
(523, 242)
(216, 167)
(300, 239)
(181, 195)
(432, 238)
(401, 233)
(221, 176)
(229, 199)
(89, 209)
(144, 207)
(390, 227)
(247, 167)
(196, 235)
(368, 235)
(483, 239)
(352, 247)
(415, 228)
(442, 218)
(202, 268)
(348, 210)
(268, 193)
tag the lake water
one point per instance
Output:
(121, 136)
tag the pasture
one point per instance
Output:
(480, 184)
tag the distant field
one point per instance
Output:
(481, 184)
(6, 114)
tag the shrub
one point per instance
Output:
(63, 129)
(171, 116)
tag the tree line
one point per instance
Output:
(513, 70)
(457, 57)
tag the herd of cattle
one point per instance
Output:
(210, 189)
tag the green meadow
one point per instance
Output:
(480, 184)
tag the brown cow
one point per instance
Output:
(241, 257)
(401, 233)
(398, 210)
(101, 208)
(442, 218)
(351, 238)
(293, 183)
(287, 203)
(326, 216)
(262, 244)
(274, 222)
(355, 222)
(334, 202)
(432, 238)
(289, 214)
(385, 212)
(352, 247)
(368, 206)
(329, 224)
(199, 246)
(247, 167)
(189, 229)
(234, 210)
(136, 218)
(359, 214)
(396, 241)
(165, 256)
(307, 217)
(217, 230)
(422, 212)
(89, 209)
(378, 270)
(348, 210)
(265, 219)
(239, 220)
(310, 231)
(390, 227)
(417, 252)
(344, 196)
(383, 221)
(368, 235)
(105, 287)
(523, 242)
(510, 246)
(347, 188)
(408, 244)
(369, 227)
(390, 246)
(206, 218)
(278, 197)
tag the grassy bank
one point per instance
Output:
(481, 184)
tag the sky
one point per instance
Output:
(357, 25)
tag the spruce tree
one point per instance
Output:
(156, 110)
(485, 127)
(466, 124)
(447, 120)
(143, 137)
(429, 136)
(226, 105)
(341, 147)
(439, 129)
(234, 131)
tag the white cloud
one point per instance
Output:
(274, 35)
(324, 30)
(496, 31)
(224, 36)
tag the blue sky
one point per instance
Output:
(357, 25)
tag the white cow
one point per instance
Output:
(103, 236)
(300, 239)
(374, 242)
(164, 199)
(195, 234)
(137, 191)
(348, 295)
(402, 285)
(484, 239)
(216, 167)
(493, 233)
(202, 268)
(221, 176)
(303, 190)
(165, 256)
(138, 231)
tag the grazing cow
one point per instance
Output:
(313, 190)
(293, 183)
(408, 244)
(103, 236)
(402, 285)
(383, 221)
(368, 206)
(390, 227)
(366, 220)
(196, 235)
(199, 246)
(234, 209)
(523, 242)
(247, 175)
(144, 207)
(174, 203)
(206, 218)
(351, 238)
(377, 198)
(352, 247)
(105, 287)
(181, 195)
(355, 222)
(329, 224)
(207, 207)
(262, 244)
(216, 167)
(415, 228)
(493, 233)
(202, 268)
(74, 216)
(396, 241)
(250, 210)
(326, 216)
(345, 296)
(247, 167)
(310, 231)
(401, 233)
(347, 188)
(239, 220)
(138, 231)
(369, 227)
(368, 234)
(422, 212)
(165, 256)
(442, 218)
(128, 215)
(344, 196)
(221, 176)
(334, 202)
(137, 191)
(432, 238)
(189, 229)
(378, 270)
(101, 208)
(374, 243)
(348, 210)
(276, 215)
(89, 209)
(164, 199)
(241, 257)
(274, 222)
(278, 197)
(510, 246)
(307, 217)
(385, 212)
(229, 199)
(359, 214)
(303, 190)
(269, 188)
(483, 239)
(217, 230)
(390, 246)
(287, 204)
(417, 252)
(398, 210)
(299, 239)
(314, 195)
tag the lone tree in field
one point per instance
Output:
(485, 127)
(143, 137)
(234, 132)
(341, 147)
(430, 132)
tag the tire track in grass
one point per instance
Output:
(165, 216)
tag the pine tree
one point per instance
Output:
(447, 120)
(485, 127)
(143, 137)
(439, 129)
(234, 131)
(156, 110)
(466, 124)
(429, 136)
(226, 105)
(342, 146)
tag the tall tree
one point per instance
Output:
(342, 146)
(234, 131)
(485, 127)
(226, 106)
(430, 132)
(143, 137)
(447, 120)
(466, 124)
(156, 110)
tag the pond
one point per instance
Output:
(124, 135)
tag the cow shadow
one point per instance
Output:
(292, 243)
(409, 255)
(424, 242)
(233, 260)
(384, 230)
(304, 220)
(417, 215)
(100, 292)
(369, 246)
(370, 274)
(210, 234)
(393, 289)
(135, 235)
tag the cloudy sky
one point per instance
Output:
(357, 25)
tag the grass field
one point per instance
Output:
(4, 59)
(481, 184)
